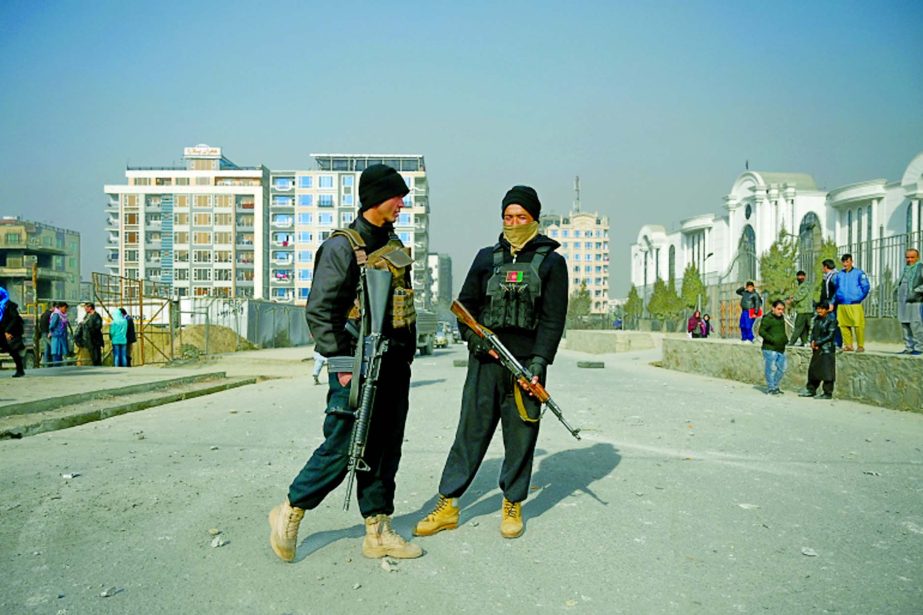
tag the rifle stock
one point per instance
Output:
(522, 375)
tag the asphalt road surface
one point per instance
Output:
(686, 495)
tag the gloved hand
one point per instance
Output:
(477, 345)
(538, 366)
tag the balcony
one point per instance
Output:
(282, 203)
(283, 186)
(283, 222)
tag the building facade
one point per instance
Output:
(874, 220)
(212, 228)
(440, 276)
(200, 228)
(584, 239)
(55, 250)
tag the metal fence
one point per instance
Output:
(264, 323)
(882, 260)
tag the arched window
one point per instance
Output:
(672, 264)
(809, 239)
(746, 254)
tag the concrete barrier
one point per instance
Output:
(603, 342)
(890, 381)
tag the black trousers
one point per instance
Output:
(802, 328)
(96, 354)
(326, 468)
(15, 354)
(487, 399)
(822, 369)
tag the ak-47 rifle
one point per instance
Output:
(522, 375)
(375, 288)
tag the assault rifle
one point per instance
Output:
(522, 375)
(375, 292)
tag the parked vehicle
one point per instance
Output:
(426, 331)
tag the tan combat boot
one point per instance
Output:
(284, 520)
(381, 540)
(511, 519)
(443, 517)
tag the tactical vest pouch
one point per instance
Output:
(405, 314)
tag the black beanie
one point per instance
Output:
(525, 196)
(378, 183)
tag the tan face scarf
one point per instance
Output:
(519, 235)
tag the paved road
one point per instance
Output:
(687, 495)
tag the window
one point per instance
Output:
(305, 256)
(303, 293)
(222, 256)
(408, 200)
(304, 275)
(305, 237)
(576, 234)
(404, 219)
(404, 237)
(554, 232)
(181, 237)
(202, 256)
(565, 233)
(181, 256)
(223, 238)
(131, 219)
(181, 202)
(142, 181)
(223, 219)
(305, 219)
(223, 275)
(348, 180)
(182, 181)
(325, 200)
(348, 199)
(201, 200)
(305, 200)
(131, 237)
(203, 181)
(325, 181)
(305, 181)
(131, 256)
(202, 219)
(346, 217)
(180, 274)
(201, 275)
(325, 219)
(202, 238)
(180, 218)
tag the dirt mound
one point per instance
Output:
(220, 339)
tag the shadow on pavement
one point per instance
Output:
(422, 383)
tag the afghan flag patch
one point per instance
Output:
(514, 276)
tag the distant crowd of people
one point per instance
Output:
(59, 340)
(835, 322)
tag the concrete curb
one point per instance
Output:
(50, 403)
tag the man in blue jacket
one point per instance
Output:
(852, 287)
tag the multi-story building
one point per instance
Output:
(584, 239)
(307, 206)
(440, 276)
(56, 251)
(201, 227)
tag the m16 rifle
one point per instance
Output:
(506, 358)
(375, 293)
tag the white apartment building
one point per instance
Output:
(584, 239)
(200, 228)
(306, 206)
(874, 220)
(440, 277)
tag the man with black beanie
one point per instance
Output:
(518, 289)
(332, 312)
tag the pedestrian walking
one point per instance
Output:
(772, 330)
(694, 326)
(910, 303)
(57, 334)
(803, 304)
(130, 335)
(751, 308)
(11, 328)
(118, 335)
(822, 369)
(852, 287)
(93, 332)
(518, 289)
(370, 241)
(319, 362)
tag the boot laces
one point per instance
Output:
(291, 524)
(441, 505)
(510, 508)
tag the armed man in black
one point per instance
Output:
(332, 313)
(518, 289)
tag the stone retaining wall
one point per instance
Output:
(603, 342)
(891, 381)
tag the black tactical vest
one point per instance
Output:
(513, 291)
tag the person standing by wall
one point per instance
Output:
(751, 308)
(130, 336)
(43, 321)
(11, 332)
(822, 368)
(772, 330)
(803, 304)
(57, 334)
(852, 287)
(118, 335)
(694, 325)
(93, 324)
(706, 325)
(910, 303)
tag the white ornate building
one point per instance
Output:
(875, 220)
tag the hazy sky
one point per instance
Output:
(656, 105)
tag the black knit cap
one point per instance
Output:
(525, 196)
(378, 183)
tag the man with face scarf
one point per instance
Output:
(518, 289)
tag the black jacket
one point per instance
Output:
(551, 306)
(336, 280)
(748, 300)
(130, 336)
(823, 333)
(94, 329)
(12, 324)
